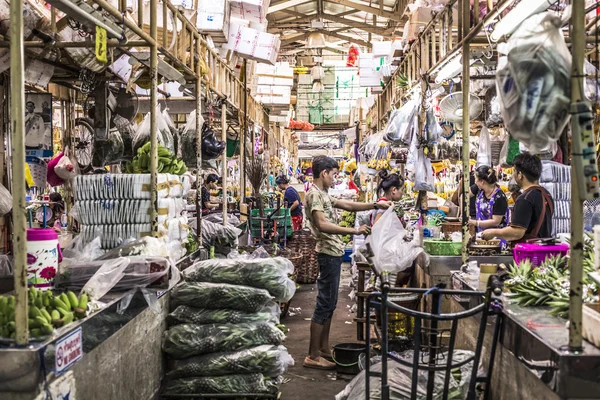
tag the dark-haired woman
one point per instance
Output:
(491, 205)
(392, 187)
(292, 198)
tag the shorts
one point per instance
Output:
(297, 222)
(328, 285)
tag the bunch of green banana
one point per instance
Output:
(46, 312)
(167, 162)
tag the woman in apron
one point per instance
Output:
(491, 205)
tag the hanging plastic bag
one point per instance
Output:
(504, 153)
(424, 178)
(66, 169)
(51, 177)
(411, 158)
(188, 141)
(212, 148)
(391, 252)
(434, 130)
(484, 155)
(142, 135)
(533, 81)
(399, 129)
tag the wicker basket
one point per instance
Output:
(303, 244)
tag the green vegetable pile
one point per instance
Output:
(188, 340)
(222, 296)
(191, 315)
(549, 284)
(167, 162)
(270, 274)
(251, 383)
(266, 359)
(46, 312)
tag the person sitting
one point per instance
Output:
(209, 184)
(532, 214)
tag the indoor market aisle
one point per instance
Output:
(302, 382)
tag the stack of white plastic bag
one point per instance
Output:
(533, 81)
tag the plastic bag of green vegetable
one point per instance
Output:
(188, 340)
(250, 383)
(266, 359)
(265, 273)
(222, 296)
(200, 316)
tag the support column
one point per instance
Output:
(153, 105)
(17, 132)
(224, 159)
(199, 181)
(466, 83)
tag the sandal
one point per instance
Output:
(321, 363)
(326, 356)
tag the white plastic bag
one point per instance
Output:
(424, 178)
(66, 169)
(5, 201)
(484, 155)
(391, 252)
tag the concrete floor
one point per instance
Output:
(305, 383)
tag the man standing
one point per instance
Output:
(532, 214)
(325, 227)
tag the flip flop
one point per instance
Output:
(318, 364)
(326, 356)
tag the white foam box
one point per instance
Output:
(254, 45)
(381, 49)
(304, 79)
(213, 19)
(250, 10)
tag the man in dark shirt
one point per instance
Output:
(209, 184)
(532, 214)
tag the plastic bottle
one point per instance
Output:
(64, 222)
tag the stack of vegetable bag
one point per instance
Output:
(224, 335)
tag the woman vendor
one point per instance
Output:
(292, 198)
(392, 187)
(491, 204)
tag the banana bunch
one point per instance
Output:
(46, 312)
(382, 164)
(372, 163)
(167, 162)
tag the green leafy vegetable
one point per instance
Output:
(201, 316)
(222, 295)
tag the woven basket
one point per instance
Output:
(303, 244)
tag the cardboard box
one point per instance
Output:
(213, 19)
(253, 11)
(252, 44)
(381, 49)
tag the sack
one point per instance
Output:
(391, 252)
(424, 179)
(484, 156)
(5, 201)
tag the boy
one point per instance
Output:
(325, 227)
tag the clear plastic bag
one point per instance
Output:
(265, 359)
(187, 340)
(391, 252)
(400, 380)
(217, 233)
(424, 178)
(399, 128)
(202, 316)
(271, 274)
(434, 130)
(66, 168)
(533, 81)
(5, 200)
(484, 155)
(248, 383)
(6, 266)
(164, 136)
(221, 296)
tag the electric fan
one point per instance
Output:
(451, 108)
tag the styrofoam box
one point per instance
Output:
(381, 49)
(252, 44)
(212, 22)
(250, 10)
(304, 79)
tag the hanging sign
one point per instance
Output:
(101, 44)
(68, 351)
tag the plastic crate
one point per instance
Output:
(347, 254)
(537, 253)
(283, 212)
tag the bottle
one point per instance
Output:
(64, 222)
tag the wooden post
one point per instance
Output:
(224, 159)
(17, 130)
(153, 115)
(199, 181)
(466, 80)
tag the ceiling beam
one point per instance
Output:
(358, 25)
(286, 4)
(295, 38)
(344, 37)
(368, 9)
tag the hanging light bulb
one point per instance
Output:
(522, 11)
(316, 40)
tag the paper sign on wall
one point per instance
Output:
(69, 350)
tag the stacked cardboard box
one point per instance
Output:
(253, 44)
(254, 11)
(213, 19)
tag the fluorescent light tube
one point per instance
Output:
(522, 11)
